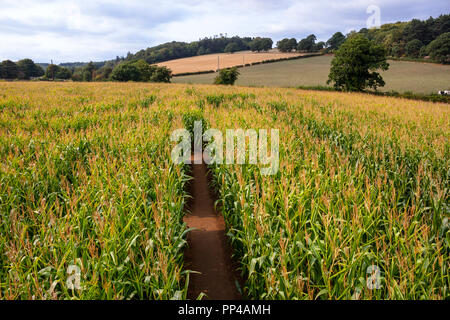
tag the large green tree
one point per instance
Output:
(335, 41)
(307, 44)
(126, 71)
(51, 71)
(9, 70)
(319, 46)
(231, 47)
(161, 74)
(287, 45)
(266, 44)
(63, 73)
(145, 70)
(29, 68)
(88, 72)
(261, 44)
(412, 48)
(416, 29)
(439, 48)
(292, 44)
(140, 71)
(282, 45)
(57, 72)
(354, 65)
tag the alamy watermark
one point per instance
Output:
(374, 20)
(74, 279)
(374, 277)
(213, 153)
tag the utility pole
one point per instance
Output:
(53, 70)
(218, 66)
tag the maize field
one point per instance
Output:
(87, 181)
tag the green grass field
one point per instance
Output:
(402, 75)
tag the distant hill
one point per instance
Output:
(408, 39)
(411, 39)
(43, 65)
(81, 64)
(176, 50)
(73, 65)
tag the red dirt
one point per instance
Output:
(208, 250)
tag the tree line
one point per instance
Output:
(309, 44)
(138, 70)
(131, 67)
(176, 50)
(414, 39)
(24, 69)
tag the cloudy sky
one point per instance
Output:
(83, 30)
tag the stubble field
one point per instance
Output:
(226, 60)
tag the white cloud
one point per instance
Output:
(82, 30)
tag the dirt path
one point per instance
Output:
(208, 250)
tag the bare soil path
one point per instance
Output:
(208, 249)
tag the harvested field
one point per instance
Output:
(226, 60)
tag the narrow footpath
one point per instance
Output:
(208, 249)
